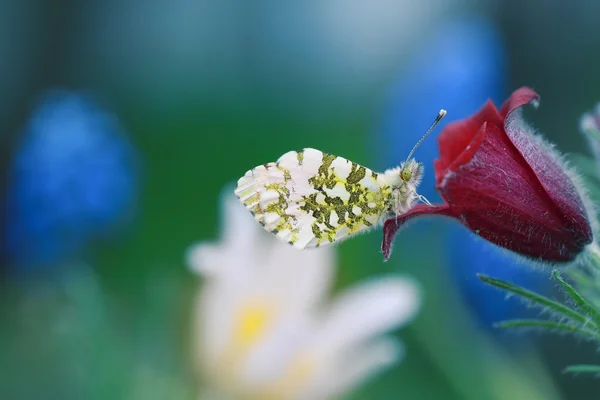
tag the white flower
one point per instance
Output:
(264, 330)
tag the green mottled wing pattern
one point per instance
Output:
(310, 198)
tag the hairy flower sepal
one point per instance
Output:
(507, 185)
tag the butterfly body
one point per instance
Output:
(310, 198)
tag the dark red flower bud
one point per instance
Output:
(507, 185)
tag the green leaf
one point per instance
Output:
(593, 133)
(581, 302)
(587, 286)
(535, 298)
(594, 255)
(582, 280)
(582, 369)
(551, 325)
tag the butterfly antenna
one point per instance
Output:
(436, 121)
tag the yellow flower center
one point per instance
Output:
(250, 325)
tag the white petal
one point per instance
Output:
(213, 323)
(368, 310)
(354, 368)
(241, 243)
(302, 276)
(219, 305)
(203, 258)
(238, 225)
(299, 279)
(270, 359)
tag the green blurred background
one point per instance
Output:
(205, 90)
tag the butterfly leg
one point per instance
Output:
(424, 200)
(396, 197)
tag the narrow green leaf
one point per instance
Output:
(582, 369)
(587, 286)
(535, 298)
(581, 302)
(594, 133)
(594, 255)
(581, 279)
(551, 325)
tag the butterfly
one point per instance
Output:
(310, 198)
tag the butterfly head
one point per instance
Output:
(411, 172)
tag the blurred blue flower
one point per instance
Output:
(457, 69)
(461, 66)
(73, 178)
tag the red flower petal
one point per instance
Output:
(498, 196)
(458, 138)
(392, 225)
(519, 98)
(550, 171)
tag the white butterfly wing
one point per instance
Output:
(309, 198)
